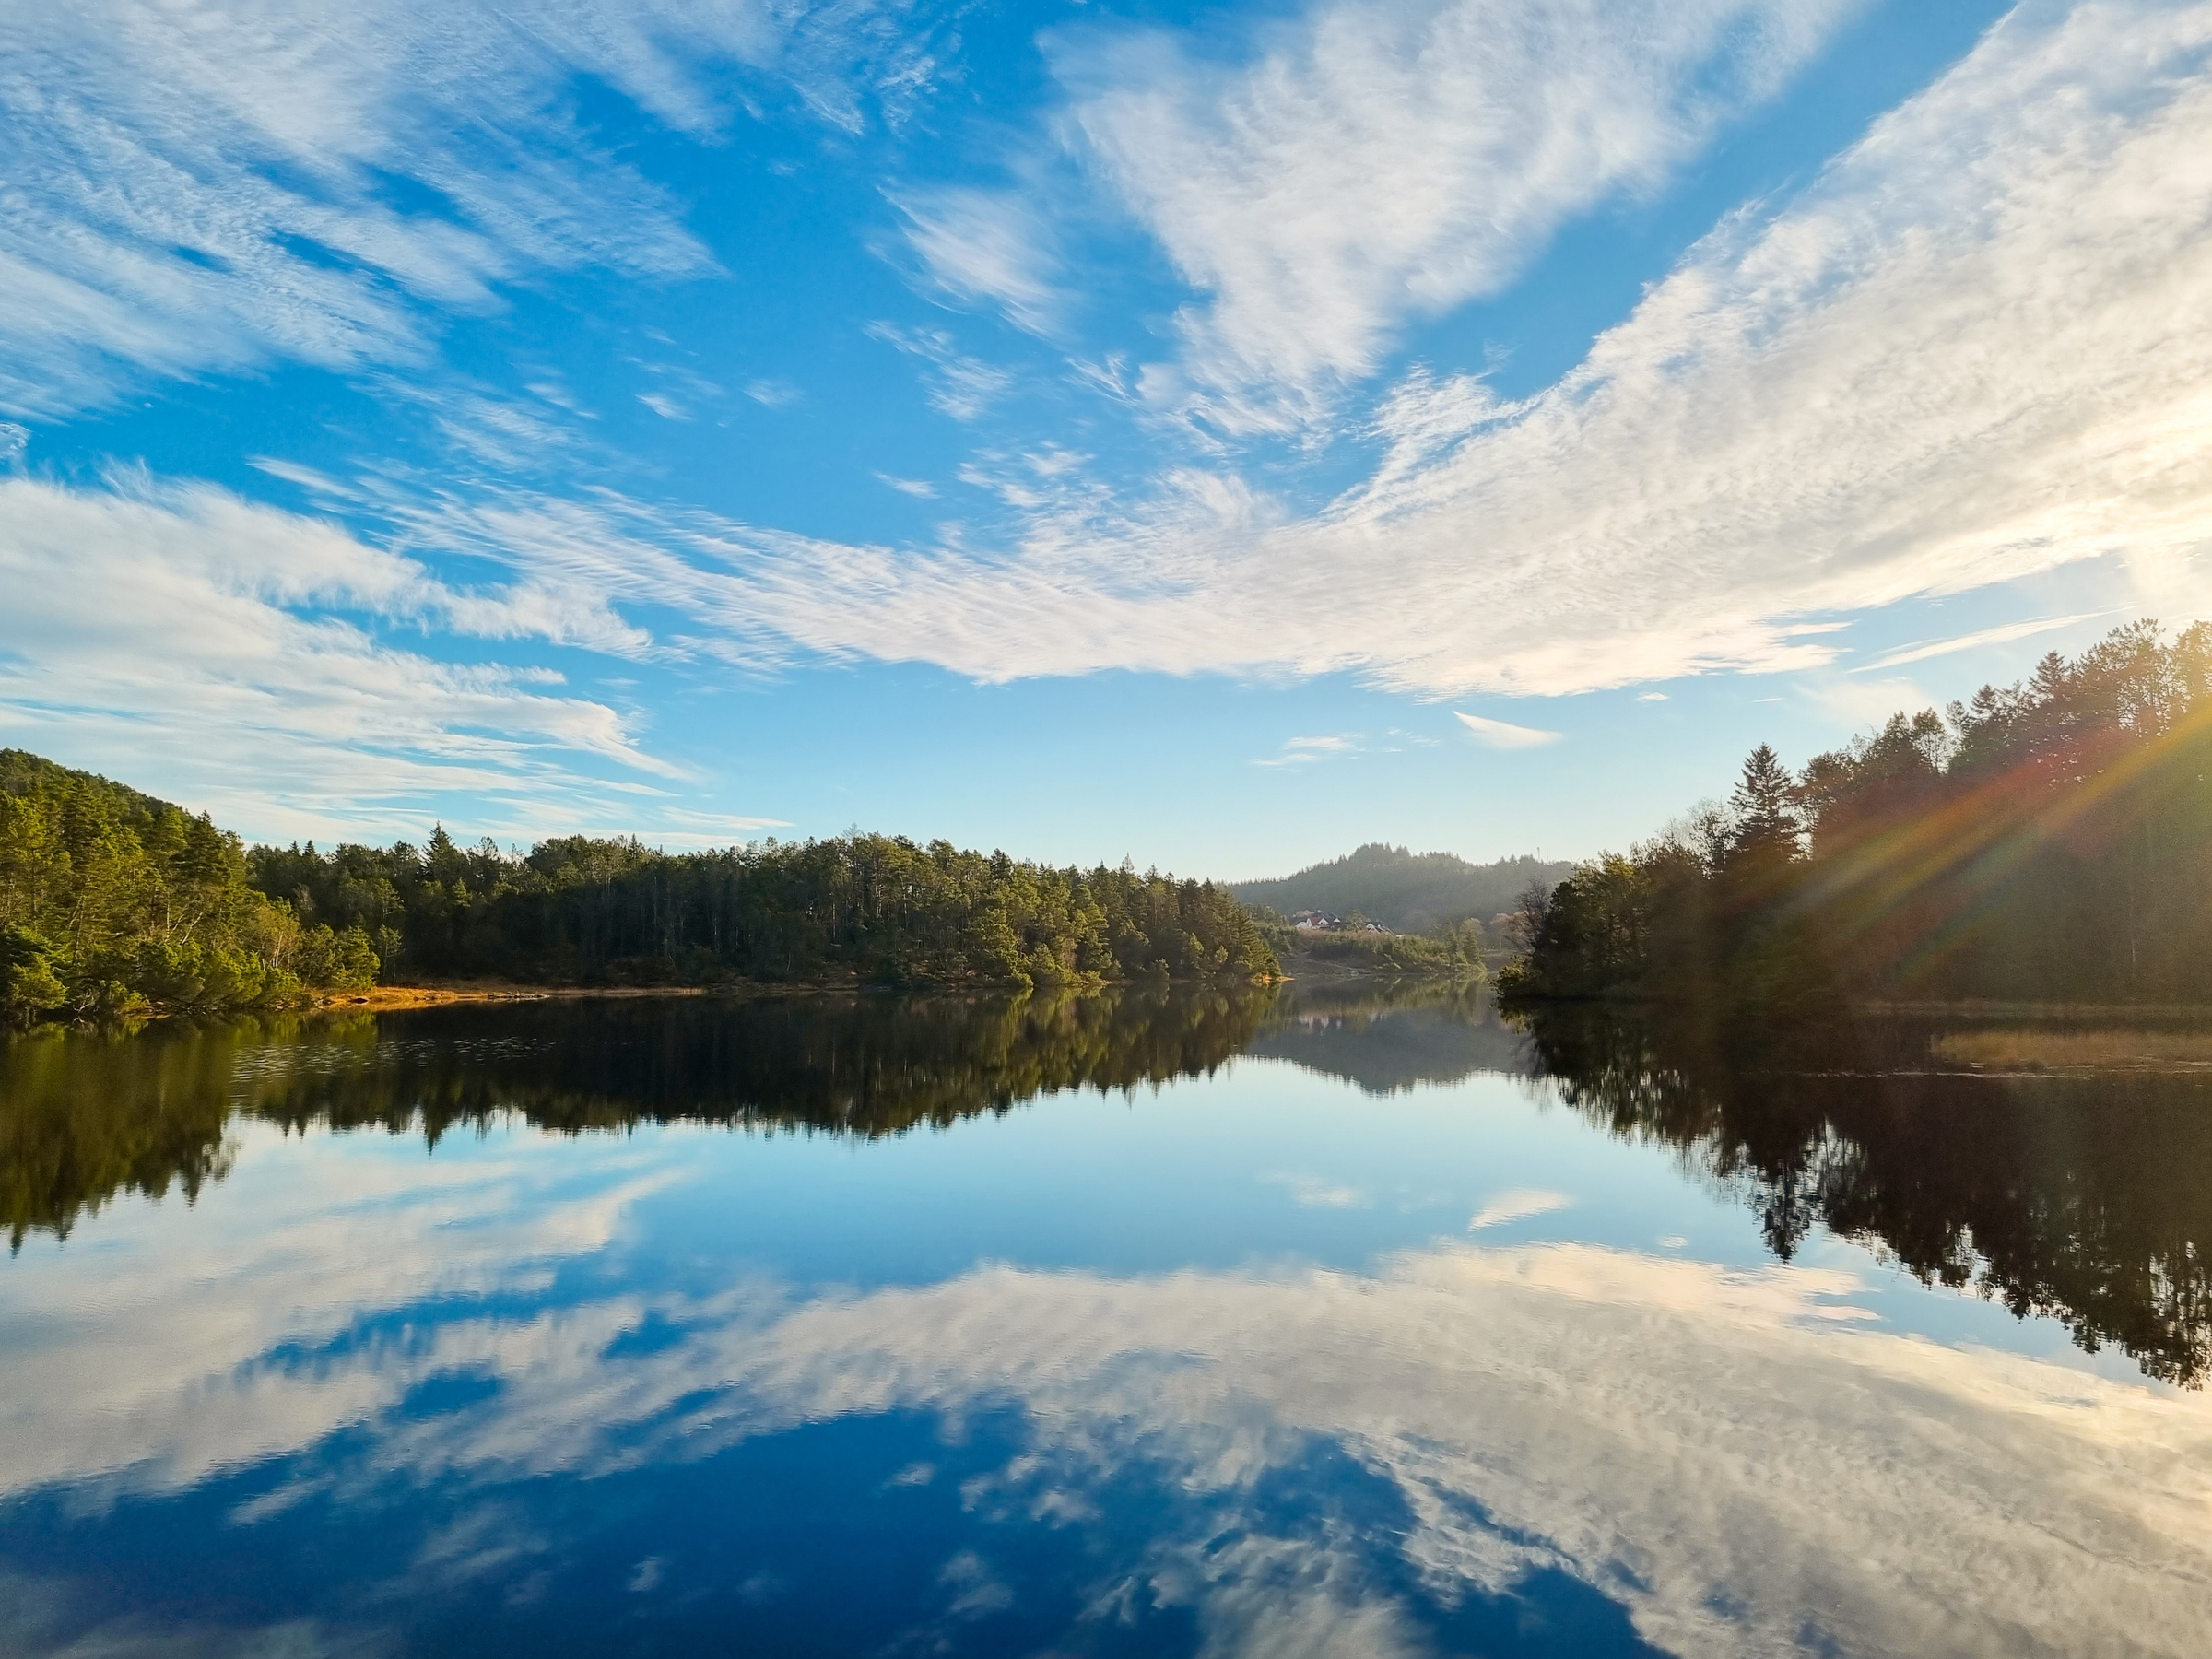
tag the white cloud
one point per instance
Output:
(1304, 751)
(229, 653)
(708, 828)
(2064, 1501)
(980, 245)
(1519, 1204)
(962, 387)
(1651, 696)
(507, 434)
(1968, 353)
(1315, 1191)
(919, 488)
(322, 1242)
(2004, 635)
(1502, 734)
(1371, 163)
(201, 186)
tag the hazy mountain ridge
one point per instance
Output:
(1408, 891)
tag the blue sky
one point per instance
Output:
(1217, 435)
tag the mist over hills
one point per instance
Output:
(1409, 892)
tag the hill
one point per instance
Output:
(1410, 892)
(112, 902)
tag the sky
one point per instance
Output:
(1214, 435)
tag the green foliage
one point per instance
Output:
(115, 904)
(1410, 954)
(1412, 892)
(2048, 842)
(1452, 951)
(878, 909)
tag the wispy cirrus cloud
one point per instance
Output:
(1370, 164)
(1967, 352)
(1880, 391)
(961, 386)
(239, 655)
(1305, 752)
(1503, 734)
(990, 246)
(201, 187)
(2003, 635)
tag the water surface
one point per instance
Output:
(1162, 1323)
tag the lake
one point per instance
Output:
(1286, 1323)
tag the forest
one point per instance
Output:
(113, 903)
(2050, 841)
(881, 909)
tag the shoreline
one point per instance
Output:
(380, 998)
(1991, 1009)
(389, 998)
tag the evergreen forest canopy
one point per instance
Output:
(112, 902)
(2047, 841)
(1411, 892)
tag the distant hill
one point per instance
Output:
(1409, 892)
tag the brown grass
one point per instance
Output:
(2033, 1050)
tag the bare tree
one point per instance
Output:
(1524, 923)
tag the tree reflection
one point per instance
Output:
(83, 1118)
(2085, 1199)
(1387, 1037)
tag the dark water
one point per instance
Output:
(1264, 1325)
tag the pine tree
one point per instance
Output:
(1765, 806)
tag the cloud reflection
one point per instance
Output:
(1719, 1450)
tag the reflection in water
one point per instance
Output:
(85, 1116)
(1543, 1449)
(2086, 1198)
(1386, 1038)
(672, 1389)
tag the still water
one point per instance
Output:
(1265, 1324)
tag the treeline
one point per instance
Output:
(112, 902)
(878, 909)
(2050, 841)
